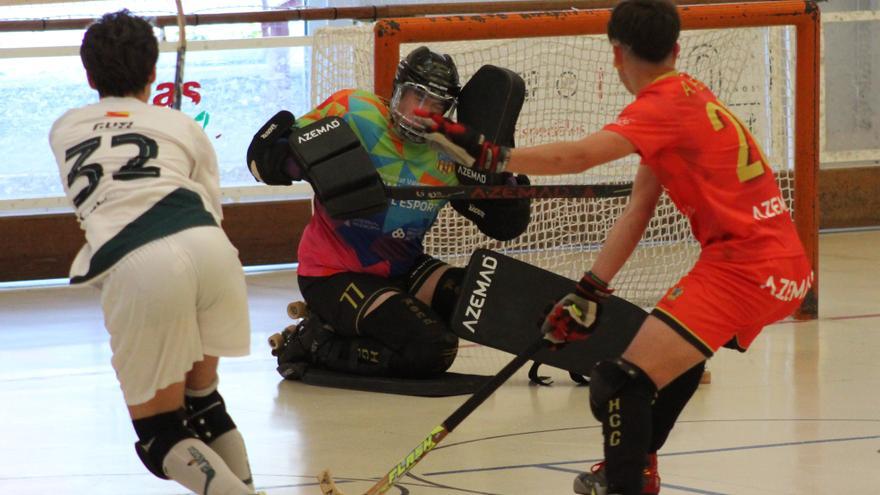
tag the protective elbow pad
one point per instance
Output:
(500, 219)
(340, 170)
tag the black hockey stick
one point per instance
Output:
(510, 192)
(181, 56)
(328, 486)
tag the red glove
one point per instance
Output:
(575, 316)
(463, 144)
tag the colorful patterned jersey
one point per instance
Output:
(388, 243)
(712, 168)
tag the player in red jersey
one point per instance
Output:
(751, 272)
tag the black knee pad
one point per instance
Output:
(446, 293)
(611, 378)
(207, 416)
(157, 435)
(422, 343)
(420, 273)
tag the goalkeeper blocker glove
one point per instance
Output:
(464, 144)
(269, 153)
(575, 315)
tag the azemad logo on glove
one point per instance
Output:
(319, 130)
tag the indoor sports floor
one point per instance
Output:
(798, 414)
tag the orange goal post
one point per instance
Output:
(760, 58)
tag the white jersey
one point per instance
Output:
(134, 173)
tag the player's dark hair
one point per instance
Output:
(119, 52)
(648, 27)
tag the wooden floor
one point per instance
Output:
(798, 414)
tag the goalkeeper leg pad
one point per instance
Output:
(423, 344)
(340, 170)
(503, 299)
(363, 356)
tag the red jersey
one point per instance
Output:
(712, 168)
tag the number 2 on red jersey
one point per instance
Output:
(745, 171)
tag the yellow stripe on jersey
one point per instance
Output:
(684, 327)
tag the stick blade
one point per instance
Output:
(328, 486)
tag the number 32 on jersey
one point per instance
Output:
(93, 172)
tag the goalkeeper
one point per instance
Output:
(751, 272)
(380, 305)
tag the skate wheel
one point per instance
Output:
(275, 341)
(297, 309)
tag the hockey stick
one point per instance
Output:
(328, 486)
(181, 56)
(510, 192)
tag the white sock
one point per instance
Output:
(230, 446)
(197, 467)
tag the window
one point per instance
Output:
(234, 79)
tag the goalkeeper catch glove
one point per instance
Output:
(575, 315)
(464, 144)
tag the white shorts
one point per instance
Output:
(168, 304)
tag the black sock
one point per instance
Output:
(627, 434)
(670, 402)
(621, 395)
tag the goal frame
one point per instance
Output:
(389, 34)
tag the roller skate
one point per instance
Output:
(296, 345)
(594, 482)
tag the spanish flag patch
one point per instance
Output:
(122, 115)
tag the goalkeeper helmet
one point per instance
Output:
(426, 80)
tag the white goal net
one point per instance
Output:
(572, 89)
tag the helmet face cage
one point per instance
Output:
(408, 97)
(425, 80)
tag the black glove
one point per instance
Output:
(575, 315)
(464, 144)
(500, 219)
(268, 155)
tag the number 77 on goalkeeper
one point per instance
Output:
(751, 271)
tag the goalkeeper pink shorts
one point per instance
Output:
(720, 303)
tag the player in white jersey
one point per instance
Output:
(145, 186)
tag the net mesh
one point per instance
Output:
(572, 89)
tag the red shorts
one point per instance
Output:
(721, 302)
